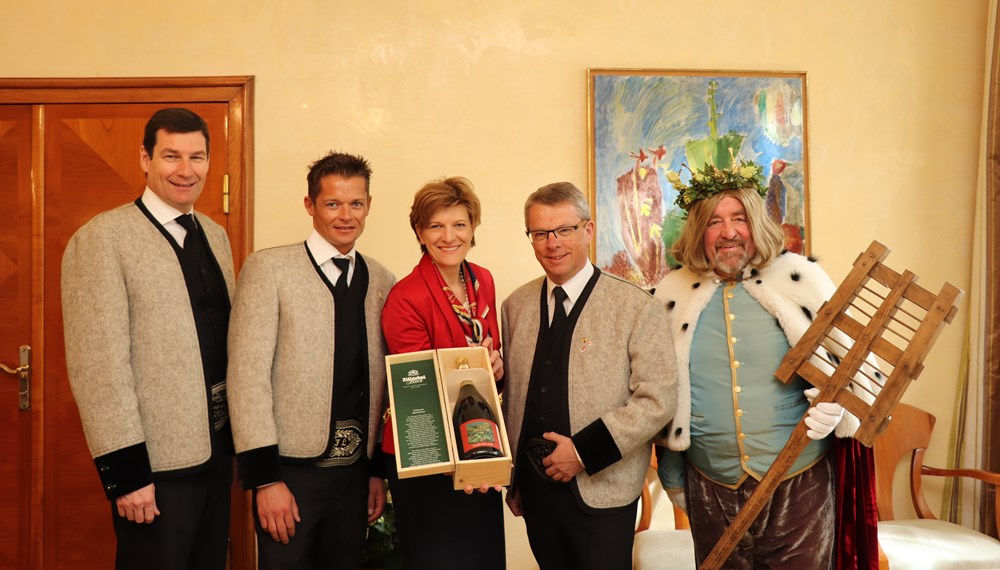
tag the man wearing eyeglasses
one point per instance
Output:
(590, 383)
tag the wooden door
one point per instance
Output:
(91, 165)
(15, 330)
(75, 161)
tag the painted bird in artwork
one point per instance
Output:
(658, 154)
(775, 199)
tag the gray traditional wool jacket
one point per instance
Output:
(131, 345)
(621, 373)
(281, 351)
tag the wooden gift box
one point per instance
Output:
(476, 472)
(423, 387)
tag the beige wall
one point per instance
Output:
(496, 92)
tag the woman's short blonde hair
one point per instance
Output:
(444, 193)
(768, 237)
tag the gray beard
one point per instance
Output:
(731, 265)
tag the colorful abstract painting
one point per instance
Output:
(644, 123)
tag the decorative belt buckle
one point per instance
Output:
(345, 447)
(220, 411)
(537, 449)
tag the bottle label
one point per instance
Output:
(479, 433)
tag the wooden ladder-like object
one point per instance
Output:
(875, 311)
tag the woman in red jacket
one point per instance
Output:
(446, 302)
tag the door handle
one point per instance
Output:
(23, 371)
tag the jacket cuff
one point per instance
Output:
(259, 466)
(670, 468)
(124, 470)
(596, 447)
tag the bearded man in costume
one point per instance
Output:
(735, 307)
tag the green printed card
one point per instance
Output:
(420, 425)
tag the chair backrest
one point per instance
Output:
(681, 521)
(909, 432)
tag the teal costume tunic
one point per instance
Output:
(741, 415)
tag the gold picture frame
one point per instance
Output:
(644, 122)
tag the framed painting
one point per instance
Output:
(644, 123)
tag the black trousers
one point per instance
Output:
(444, 529)
(192, 531)
(333, 506)
(563, 535)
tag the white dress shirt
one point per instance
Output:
(166, 215)
(324, 252)
(573, 287)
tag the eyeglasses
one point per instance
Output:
(562, 232)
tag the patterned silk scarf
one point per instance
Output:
(468, 317)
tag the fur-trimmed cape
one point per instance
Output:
(792, 288)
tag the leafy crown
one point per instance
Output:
(710, 180)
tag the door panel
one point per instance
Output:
(15, 330)
(69, 149)
(91, 155)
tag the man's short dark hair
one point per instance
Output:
(342, 164)
(173, 120)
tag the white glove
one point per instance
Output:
(823, 417)
(677, 498)
(811, 394)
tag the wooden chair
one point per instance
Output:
(661, 549)
(925, 542)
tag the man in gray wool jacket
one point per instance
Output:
(590, 382)
(146, 292)
(307, 380)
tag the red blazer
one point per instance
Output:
(417, 316)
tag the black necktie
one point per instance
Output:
(343, 264)
(559, 312)
(187, 222)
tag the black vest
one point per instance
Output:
(350, 348)
(210, 306)
(547, 405)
